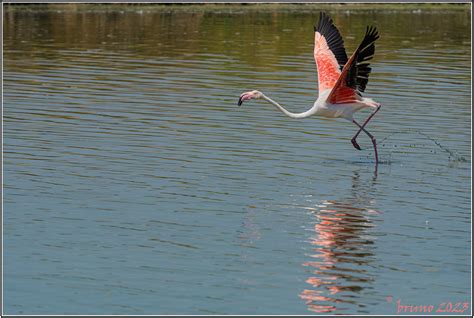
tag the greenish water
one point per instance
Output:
(133, 184)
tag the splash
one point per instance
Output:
(453, 155)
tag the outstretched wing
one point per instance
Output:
(355, 74)
(329, 52)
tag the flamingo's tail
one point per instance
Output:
(370, 102)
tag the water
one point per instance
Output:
(133, 184)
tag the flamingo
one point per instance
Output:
(341, 81)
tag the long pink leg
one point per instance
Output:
(361, 128)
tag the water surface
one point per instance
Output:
(134, 184)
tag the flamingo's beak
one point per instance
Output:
(244, 97)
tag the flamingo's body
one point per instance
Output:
(341, 80)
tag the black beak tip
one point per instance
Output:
(240, 102)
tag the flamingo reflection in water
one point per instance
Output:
(343, 250)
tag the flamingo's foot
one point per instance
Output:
(355, 144)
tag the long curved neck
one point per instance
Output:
(287, 113)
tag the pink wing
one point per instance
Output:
(329, 53)
(355, 74)
(341, 93)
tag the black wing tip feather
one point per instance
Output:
(360, 70)
(371, 30)
(371, 35)
(333, 38)
(324, 20)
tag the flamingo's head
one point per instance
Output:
(248, 96)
